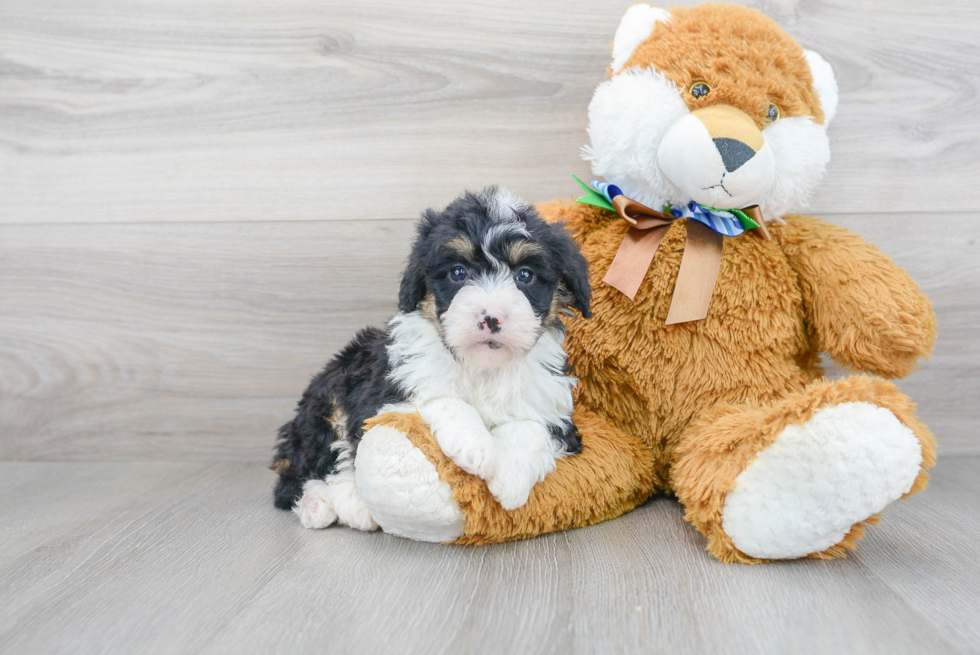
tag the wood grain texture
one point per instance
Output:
(209, 111)
(193, 341)
(172, 558)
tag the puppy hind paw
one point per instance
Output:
(316, 508)
(351, 510)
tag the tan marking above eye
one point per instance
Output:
(461, 246)
(520, 250)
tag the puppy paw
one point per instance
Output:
(315, 509)
(525, 454)
(347, 503)
(473, 452)
(461, 434)
(510, 486)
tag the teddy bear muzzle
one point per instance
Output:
(719, 157)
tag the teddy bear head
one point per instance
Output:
(715, 104)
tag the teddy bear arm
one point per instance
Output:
(412, 489)
(863, 309)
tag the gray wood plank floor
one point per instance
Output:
(191, 557)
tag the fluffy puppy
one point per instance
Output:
(476, 349)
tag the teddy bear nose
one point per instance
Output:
(734, 153)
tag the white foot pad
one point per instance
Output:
(402, 489)
(333, 499)
(315, 508)
(803, 493)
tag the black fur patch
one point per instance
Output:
(568, 436)
(353, 385)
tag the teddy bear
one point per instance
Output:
(700, 372)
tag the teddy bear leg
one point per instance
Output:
(801, 476)
(412, 489)
(400, 487)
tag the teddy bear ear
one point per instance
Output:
(825, 84)
(637, 23)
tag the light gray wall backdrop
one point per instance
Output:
(201, 200)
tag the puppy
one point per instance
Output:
(476, 349)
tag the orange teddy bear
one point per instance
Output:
(699, 374)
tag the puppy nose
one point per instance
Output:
(733, 153)
(492, 323)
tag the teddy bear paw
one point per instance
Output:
(803, 493)
(402, 490)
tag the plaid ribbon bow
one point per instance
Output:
(702, 251)
(727, 222)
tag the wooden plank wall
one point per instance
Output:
(200, 201)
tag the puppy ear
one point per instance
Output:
(634, 29)
(575, 277)
(574, 271)
(412, 290)
(413, 287)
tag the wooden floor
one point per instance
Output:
(183, 557)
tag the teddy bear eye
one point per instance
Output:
(700, 89)
(773, 113)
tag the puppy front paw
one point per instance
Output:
(471, 451)
(315, 509)
(510, 486)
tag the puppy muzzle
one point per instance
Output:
(492, 315)
(718, 157)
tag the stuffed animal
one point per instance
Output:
(699, 373)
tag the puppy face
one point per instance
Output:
(492, 276)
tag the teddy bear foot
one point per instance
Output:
(804, 492)
(801, 476)
(402, 490)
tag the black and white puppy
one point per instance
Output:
(476, 349)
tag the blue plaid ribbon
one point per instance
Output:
(722, 222)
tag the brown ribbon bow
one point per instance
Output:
(699, 264)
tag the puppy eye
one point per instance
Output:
(773, 113)
(525, 275)
(458, 274)
(700, 89)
